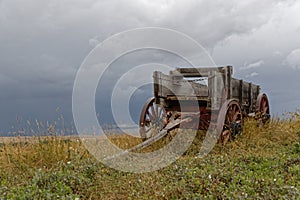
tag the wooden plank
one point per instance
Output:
(250, 96)
(227, 79)
(198, 72)
(187, 98)
(162, 84)
(235, 83)
(241, 92)
(216, 86)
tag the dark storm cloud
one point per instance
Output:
(44, 42)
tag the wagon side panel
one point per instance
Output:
(246, 93)
(176, 87)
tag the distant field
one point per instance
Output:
(263, 163)
(24, 139)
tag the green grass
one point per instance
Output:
(263, 163)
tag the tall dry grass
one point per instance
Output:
(21, 153)
(59, 165)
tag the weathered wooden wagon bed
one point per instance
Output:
(199, 98)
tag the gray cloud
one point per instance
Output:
(44, 42)
(252, 74)
(252, 65)
(293, 59)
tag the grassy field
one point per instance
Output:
(263, 163)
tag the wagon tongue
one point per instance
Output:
(170, 126)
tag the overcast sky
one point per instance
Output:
(43, 43)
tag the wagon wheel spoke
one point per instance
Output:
(228, 115)
(227, 121)
(225, 136)
(153, 111)
(232, 113)
(266, 109)
(235, 117)
(160, 112)
(263, 107)
(149, 129)
(156, 110)
(151, 117)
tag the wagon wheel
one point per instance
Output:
(230, 121)
(262, 108)
(152, 119)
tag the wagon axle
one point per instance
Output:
(266, 118)
(236, 129)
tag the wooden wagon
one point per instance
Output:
(200, 98)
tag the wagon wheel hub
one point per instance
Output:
(236, 129)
